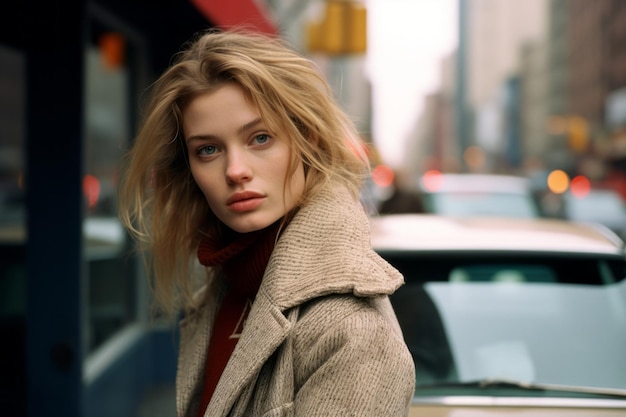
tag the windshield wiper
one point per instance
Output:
(531, 386)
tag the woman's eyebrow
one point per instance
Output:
(249, 125)
(199, 137)
(246, 126)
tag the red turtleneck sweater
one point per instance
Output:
(243, 259)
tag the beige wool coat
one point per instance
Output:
(321, 338)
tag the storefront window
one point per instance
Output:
(12, 227)
(12, 115)
(12, 194)
(111, 274)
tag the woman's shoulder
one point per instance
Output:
(347, 316)
(349, 332)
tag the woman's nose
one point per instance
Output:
(237, 169)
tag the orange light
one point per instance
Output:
(474, 157)
(91, 189)
(580, 186)
(382, 175)
(558, 181)
(432, 180)
(578, 134)
(113, 49)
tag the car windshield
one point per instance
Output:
(546, 320)
(482, 204)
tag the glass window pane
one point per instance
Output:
(12, 228)
(12, 114)
(111, 280)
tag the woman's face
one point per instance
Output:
(238, 164)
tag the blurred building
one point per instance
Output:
(496, 32)
(482, 89)
(597, 82)
(333, 33)
(540, 85)
(434, 144)
(534, 100)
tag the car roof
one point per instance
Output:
(428, 232)
(594, 193)
(468, 183)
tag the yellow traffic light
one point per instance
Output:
(343, 30)
(578, 133)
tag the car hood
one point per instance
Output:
(478, 411)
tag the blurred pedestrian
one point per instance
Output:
(402, 200)
(245, 163)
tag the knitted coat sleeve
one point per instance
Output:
(349, 360)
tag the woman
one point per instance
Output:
(245, 164)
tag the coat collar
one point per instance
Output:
(327, 249)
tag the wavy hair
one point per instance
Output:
(159, 202)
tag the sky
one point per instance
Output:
(406, 41)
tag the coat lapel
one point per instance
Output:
(265, 329)
(194, 341)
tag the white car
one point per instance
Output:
(602, 206)
(510, 316)
(462, 195)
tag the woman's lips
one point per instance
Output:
(246, 205)
(245, 201)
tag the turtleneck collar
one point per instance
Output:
(242, 256)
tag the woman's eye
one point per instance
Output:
(207, 150)
(262, 139)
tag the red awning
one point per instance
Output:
(231, 13)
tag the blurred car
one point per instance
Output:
(478, 195)
(603, 206)
(509, 316)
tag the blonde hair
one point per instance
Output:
(159, 202)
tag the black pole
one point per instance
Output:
(54, 60)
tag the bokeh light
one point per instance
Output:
(474, 157)
(432, 180)
(558, 181)
(580, 186)
(91, 189)
(382, 175)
